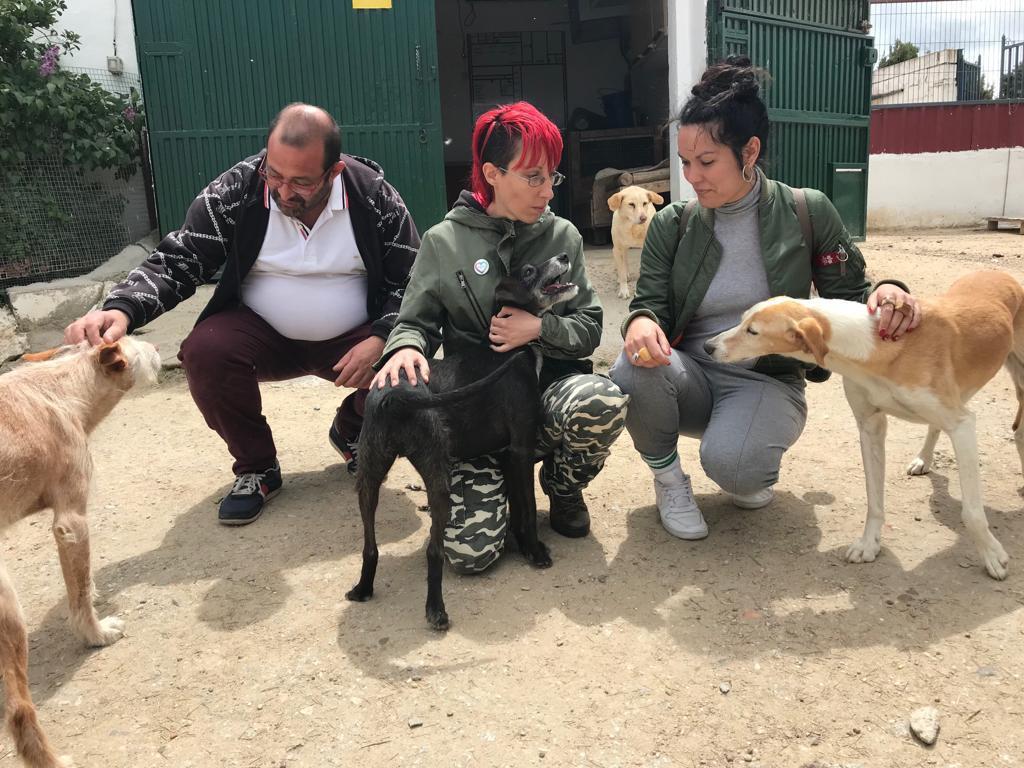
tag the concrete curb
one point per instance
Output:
(40, 310)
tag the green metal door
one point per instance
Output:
(819, 98)
(214, 73)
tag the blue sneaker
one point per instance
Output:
(247, 497)
(347, 449)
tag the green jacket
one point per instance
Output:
(675, 273)
(448, 299)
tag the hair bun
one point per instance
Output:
(733, 78)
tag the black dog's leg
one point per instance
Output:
(433, 468)
(522, 501)
(369, 493)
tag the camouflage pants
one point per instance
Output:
(583, 414)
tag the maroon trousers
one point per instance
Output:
(228, 354)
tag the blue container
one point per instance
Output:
(618, 109)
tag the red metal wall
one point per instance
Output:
(946, 127)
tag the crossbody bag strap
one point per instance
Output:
(804, 215)
(684, 219)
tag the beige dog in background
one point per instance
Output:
(927, 377)
(48, 408)
(632, 211)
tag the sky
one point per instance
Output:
(973, 25)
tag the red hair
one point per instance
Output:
(501, 132)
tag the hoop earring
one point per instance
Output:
(743, 173)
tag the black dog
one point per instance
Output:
(478, 402)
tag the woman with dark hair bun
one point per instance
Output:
(499, 225)
(744, 239)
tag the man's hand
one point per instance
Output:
(354, 368)
(511, 328)
(101, 326)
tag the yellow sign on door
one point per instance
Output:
(357, 4)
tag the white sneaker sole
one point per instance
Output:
(754, 501)
(688, 534)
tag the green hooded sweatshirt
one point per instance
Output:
(450, 296)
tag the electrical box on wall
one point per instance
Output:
(115, 65)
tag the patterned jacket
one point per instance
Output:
(225, 227)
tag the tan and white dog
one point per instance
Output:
(48, 407)
(927, 376)
(633, 209)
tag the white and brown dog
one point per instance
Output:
(48, 407)
(927, 376)
(633, 209)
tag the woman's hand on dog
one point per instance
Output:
(898, 311)
(645, 334)
(101, 326)
(512, 328)
(406, 359)
(354, 369)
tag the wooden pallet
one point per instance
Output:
(995, 221)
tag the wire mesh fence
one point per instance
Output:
(115, 83)
(61, 221)
(947, 51)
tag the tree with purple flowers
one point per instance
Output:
(46, 112)
(47, 116)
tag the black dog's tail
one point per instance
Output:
(419, 397)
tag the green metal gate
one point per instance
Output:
(819, 100)
(214, 73)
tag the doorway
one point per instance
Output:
(597, 68)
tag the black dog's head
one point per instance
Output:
(536, 289)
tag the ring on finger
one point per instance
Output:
(636, 356)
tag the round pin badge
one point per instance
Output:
(481, 266)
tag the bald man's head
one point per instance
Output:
(299, 125)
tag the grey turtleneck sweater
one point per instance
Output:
(741, 280)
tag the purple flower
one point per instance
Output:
(48, 63)
(129, 114)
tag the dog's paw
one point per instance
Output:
(65, 761)
(863, 551)
(623, 291)
(107, 631)
(918, 467)
(996, 561)
(438, 619)
(359, 594)
(540, 557)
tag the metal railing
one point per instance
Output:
(1011, 70)
(962, 50)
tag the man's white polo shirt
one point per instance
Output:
(309, 284)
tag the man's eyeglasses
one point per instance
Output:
(537, 179)
(275, 180)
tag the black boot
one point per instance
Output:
(569, 515)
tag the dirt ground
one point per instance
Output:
(757, 646)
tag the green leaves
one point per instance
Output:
(51, 118)
(45, 112)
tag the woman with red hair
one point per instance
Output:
(503, 223)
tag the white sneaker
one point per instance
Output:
(679, 512)
(754, 500)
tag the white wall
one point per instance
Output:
(97, 22)
(687, 60)
(944, 189)
(930, 77)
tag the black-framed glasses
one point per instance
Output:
(537, 179)
(275, 180)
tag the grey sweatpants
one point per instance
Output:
(745, 420)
